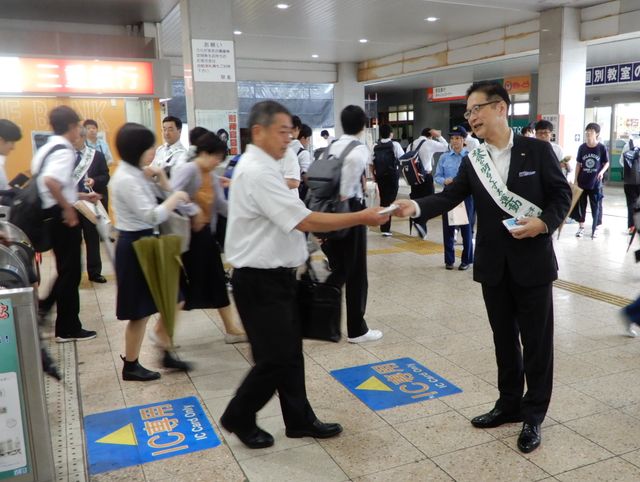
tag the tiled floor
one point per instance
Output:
(436, 317)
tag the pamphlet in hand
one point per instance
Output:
(388, 210)
(511, 224)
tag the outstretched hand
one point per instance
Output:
(371, 217)
(405, 209)
(531, 227)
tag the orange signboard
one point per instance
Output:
(518, 85)
(65, 76)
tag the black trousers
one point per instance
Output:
(419, 191)
(348, 262)
(388, 187)
(631, 193)
(266, 301)
(594, 196)
(92, 246)
(66, 249)
(526, 313)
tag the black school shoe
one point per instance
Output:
(253, 438)
(317, 429)
(80, 335)
(133, 371)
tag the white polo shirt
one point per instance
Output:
(263, 215)
(428, 149)
(59, 166)
(353, 168)
(289, 166)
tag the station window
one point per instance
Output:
(520, 109)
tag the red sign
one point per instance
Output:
(518, 85)
(62, 76)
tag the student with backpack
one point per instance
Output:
(385, 170)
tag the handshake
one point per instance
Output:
(400, 208)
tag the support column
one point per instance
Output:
(211, 92)
(347, 91)
(561, 80)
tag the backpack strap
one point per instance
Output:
(300, 151)
(55, 148)
(350, 147)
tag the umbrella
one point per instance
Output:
(576, 192)
(160, 261)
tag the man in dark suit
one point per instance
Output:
(516, 268)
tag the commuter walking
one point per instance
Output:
(9, 135)
(386, 170)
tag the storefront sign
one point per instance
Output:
(213, 61)
(518, 85)
(447, 93)
(613, 74)
(221, 119)
(13, 439)
(63, 76)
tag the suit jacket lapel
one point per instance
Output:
(518, 155)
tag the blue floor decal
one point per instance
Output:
(393, 383)
(137, 435)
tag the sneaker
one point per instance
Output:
(463, 267)
(580, 233)
(386, 234)
(371, 335)
(81, 335)
(448, 266)
(630, 328)
(594, 235)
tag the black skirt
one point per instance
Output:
(204, 285)
(133, 301)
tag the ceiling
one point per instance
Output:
(329, 28)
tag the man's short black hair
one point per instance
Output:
(526, 129)
(132, 140)
(90, 122)
(9, 131)
(263, 113)
(426, 132)
(593, 126)
(385, 131)
(195, 133)
(544, 125)
(173, 119)
(324, 132)
(353, 119)
(62, 118)
(296, 121)
(493, 91)
(305, 132)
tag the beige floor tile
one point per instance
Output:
(449, 344)
(492, 461)
(136, 393)
(369, 452)
(102, 402)
(611, 470)
(214, 385)
(309, 463)
(183, 466)
(613, 430)
(215, 362)
(413, 411)
(562, 450)
(442, 433)
(129, 474)
(572, 369)
(617, 390)
(217, 406)
(574, 343)
(475, 391)
(475, 361)
(423, 471)
(225, 473)
(349, 356)
(569, 404)
(354, 417)
(106, 380)
(612, 360)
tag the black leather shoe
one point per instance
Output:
(169, 361)
(448, 266)
(463, 267)
(254, 438)
(98, 279)
(529, 438)
(495, 418)
(133, 371)
(317, 429)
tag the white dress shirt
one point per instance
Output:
(263, 215)
(471, 142)
(170, 156)
(558, 151)
(428, 149)
(501, 157)
(289, 167)
(59, 166)
(4, 182)
(304, 156)
(133, 198)
(397, 148)
(353, 168)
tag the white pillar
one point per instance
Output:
(347, 91)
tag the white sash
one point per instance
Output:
(84, 165)
(511, 203)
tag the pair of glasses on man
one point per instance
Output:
(477, 108)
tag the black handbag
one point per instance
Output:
(320, 307)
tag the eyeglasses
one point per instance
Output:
(476, 108)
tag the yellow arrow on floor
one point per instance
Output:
(122, 436)
(374, 384)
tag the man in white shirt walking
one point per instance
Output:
(265, 244)
(171, 153)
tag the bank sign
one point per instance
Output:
(137, 435)
(613, 74)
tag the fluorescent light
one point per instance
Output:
(431, 19)
(282, 6)
(315, 56)
(363, 40)
(237, 32)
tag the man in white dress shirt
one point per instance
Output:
(265, 244)
(9, 135)
(172, 153)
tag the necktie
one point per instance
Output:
(78, 158)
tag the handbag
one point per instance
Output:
(178, 225)
(458, 215)
(320, 307)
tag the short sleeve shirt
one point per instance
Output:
(591, 161)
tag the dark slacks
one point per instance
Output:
(422, 190)
(388, 187)
(449, 237)
(266, 301)
(66, 243)
(527, 312)
(348, 262)
(595, 197)
(92, 246)
(631, 193)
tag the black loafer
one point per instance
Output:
(98, 279)
(529, 438)
(318, 430)
(169, 361)
(254, 438)
(495, 418)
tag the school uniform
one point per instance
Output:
(388, 183)
(169, 157)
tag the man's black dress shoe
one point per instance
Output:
(529, 438)
(98, 279)
(317, 429)
(254, 438)
(495, 418)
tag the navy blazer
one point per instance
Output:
(534, 174)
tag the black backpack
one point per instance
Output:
(412, 168)
(323, 180)
(27, 213)
(384, 159)
(631, 165)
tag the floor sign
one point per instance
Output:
(393, 383)
(137, 435)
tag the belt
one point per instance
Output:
(268, 270)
